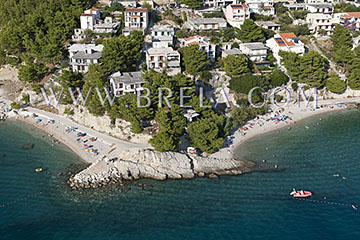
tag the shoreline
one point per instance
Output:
(77, 151)
(257, 127)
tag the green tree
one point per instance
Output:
(94, 78)
(194, 4)
(204, 134)
(278, 78)
(70, 79)
(280, 9)
(309, 69)
(343, 55)
(341, 37)
(335, 84)
(194, 59)
(246, 82)
(250, 32)
(126, 108)
(354, 79)
(32, 72)
(122, 53)
(236, 65)
(163, 141)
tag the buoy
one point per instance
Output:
(38, 170)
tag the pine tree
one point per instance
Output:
(194, 59)
(250, 32)
(235, 66)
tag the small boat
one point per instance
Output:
(300, 194)
(38, 170)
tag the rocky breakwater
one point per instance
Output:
(136, 164)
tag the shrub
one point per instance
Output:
(15, 105)
(69, 111)
(335, 84)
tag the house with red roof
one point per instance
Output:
(236, 14)
(288, 42)
(349, 19)
(91, 20)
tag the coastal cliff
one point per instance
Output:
(136, 164)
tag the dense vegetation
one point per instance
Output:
(335, 84)
(250, 32)
(310, 68)
(38, 28)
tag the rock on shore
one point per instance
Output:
(136, 164)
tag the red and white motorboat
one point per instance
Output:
(300, 194)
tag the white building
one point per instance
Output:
(263, 7)
(204, 44)
(163, 36)
(236, 14)
(231, 51)
(348, 19)
(218, 3)
(317, 21)
(285, 42)
(255, 51)
(90, 19)
(136, 19)
(122, 83)
(126, 3)
(78, 35)
(82, 55)
(205, 24)
(320, 8)
(163, 60)
(269, 25)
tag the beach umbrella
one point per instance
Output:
(79, 134)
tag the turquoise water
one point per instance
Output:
(251, 206)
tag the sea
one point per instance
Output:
(319, 154)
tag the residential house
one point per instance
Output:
(205, 24)
(320, 8)
(163, 35)
(236, 14)
(263, 7)
(255, 51)
(270, 25)
(295, 6)
(204, 44)
(90, 19)
(318, 21)
(82, 55)
(288, 42)
(349, 19)
(136, 19)
(219, 3)
(231, 51)
(126, 3)
(106, 26)
(78, 35)
(122, 83)
(163, 60)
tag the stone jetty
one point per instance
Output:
(136, 164)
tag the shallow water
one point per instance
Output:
(251, 206)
